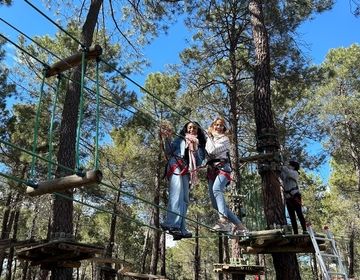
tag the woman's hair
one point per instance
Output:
(211, 128)
(200, 134)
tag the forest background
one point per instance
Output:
(315, 99)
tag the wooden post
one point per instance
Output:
(72, 61)
(65, 183)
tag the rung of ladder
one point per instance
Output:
(337, 273)
(329, 255)
(320, 256)
(323, 238)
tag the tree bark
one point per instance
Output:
(156, 221)
(5, 232)
(352, 251)
(197, 257)
(104, 274)
(12, 250)
(286, 265)
(62, 207)
(145, 251)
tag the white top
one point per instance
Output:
(218, 146)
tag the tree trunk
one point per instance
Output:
(221, 253)
(63, 208)
(352, 251)
(11, 251)
(197, 257)
(286, 265)
(104, 274)
(145, 251)
(156, 220)
(163, 254)
(163, 236)
(5, 232)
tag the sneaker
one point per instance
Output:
(240, 230)
(169, 229)
(177, 237)
(186, 234)
(175, 231)
(222, 227)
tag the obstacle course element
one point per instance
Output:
(331, 256)
(65, 183)
(134, 275)
(58, 253)
(237, 269)
(278, 241)
(72, 61)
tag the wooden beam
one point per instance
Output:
(72, 61)
(282, 249)
(65, 183)
(109, 260)
(269, 232)
(143, 276)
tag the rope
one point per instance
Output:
(24, 51)
(36, 128)
(52, 126)
(102, 183)
(81, 111)
(53, 22)
(97, 117)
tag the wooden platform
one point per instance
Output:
(58, 253)
(6, 244)
(277, 241)
(238, 269)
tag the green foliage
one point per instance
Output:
(6, 89)
(337, 102)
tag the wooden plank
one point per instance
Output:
(269, 232)
(65, 183)
(109, 260)
(72, 61)
(142, 276)
(278, 249)
(238, 269)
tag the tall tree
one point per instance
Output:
(62, 207)
(337, 101)
(286, 265)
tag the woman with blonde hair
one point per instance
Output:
(219, 176)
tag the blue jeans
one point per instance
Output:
(216, 193)
(178, 201)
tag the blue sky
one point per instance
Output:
(332, 29)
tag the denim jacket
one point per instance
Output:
(176, 150)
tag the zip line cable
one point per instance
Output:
(57, 25)
(81, 202)
(69, 78)
(121, 73)
(102, 183)
(97, 208)
(126, 109)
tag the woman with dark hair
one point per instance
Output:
(219, 176)
(290, 176)
(185, 153)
